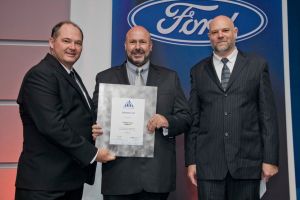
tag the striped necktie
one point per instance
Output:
(225, 74)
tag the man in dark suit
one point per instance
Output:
(146, 178)
(233, 141)
(57, 115)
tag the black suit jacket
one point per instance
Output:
(158, 174)
(58, 145)
(235, 130)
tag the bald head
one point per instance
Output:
(221, 19)
(222, 35)
(140, 30)
(138, 45)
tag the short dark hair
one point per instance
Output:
(55, 29)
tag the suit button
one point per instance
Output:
(225, 113)
(226, 134)
(225, 94)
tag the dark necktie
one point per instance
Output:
(225, 74)
(73, 76)
(139, 79)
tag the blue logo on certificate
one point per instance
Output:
(128, 104)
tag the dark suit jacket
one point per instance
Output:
(158, 174)
(58, 145)
(235, 130)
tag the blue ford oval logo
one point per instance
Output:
(186, 22)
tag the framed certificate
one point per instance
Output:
(123, 113)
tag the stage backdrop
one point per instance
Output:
(294, 46)
(179, 32)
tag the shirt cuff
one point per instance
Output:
(165, 131)
(94, 158)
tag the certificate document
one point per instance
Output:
(127, 121)
(123, 113)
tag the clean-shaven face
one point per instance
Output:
(67, 46)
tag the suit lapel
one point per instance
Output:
(77, 88)
(210, 68)
(238, 66)
(86, 92)
(60, 69)
(122, 75)
(153, 76)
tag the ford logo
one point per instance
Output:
(186, 22)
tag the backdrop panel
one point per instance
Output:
(180, 41)
(294, 46)
(15, 62)
(7, 183)
(11, 137)
(31, 19)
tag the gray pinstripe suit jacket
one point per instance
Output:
(235, 130)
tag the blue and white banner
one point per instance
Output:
(186, 23)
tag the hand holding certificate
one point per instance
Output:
(123, 113)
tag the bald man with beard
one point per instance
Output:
(233, 141)
(146, 178)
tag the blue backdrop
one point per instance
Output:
(179, 33)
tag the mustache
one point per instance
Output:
(138, 51)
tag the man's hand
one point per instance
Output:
(268, 170)
(192, 175)
(96, 131)
(104, 155)
(157, 121)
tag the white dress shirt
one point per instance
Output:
(219, 65)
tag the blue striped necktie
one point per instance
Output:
(225, 74)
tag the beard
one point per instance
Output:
(130, 57)
(225, 47)
(222, 48)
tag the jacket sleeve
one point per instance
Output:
(191, 136)
(268, 119)
(180, 118)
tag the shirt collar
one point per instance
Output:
(231, 57)
(133, 67)
(67, 69)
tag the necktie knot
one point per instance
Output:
(224, 60)
(139, 72)
(72, 74)
(139, 78)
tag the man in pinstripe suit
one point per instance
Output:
(233, 142)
